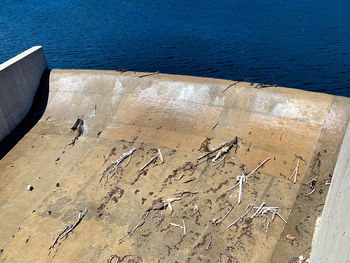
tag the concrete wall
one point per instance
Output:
(333, 235)
(19, 80)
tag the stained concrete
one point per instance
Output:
(174, 114)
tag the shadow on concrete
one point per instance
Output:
(33, 116)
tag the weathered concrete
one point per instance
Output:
(333, 234)
(19, 80)
(175, 114)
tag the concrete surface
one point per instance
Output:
(333, 236)
(174, 114)
(20, 78)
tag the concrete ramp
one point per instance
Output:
(174, 114)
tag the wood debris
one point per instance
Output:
(149, 74)
(143, 220)
(179, 226)
(296, 170)
(186, 192)
(148, 163)
(209, 243)
(225, 146)
(170, 200)
(243, 178)
(160, 156)
(229, 86)
(114, 166)
(247, 210)
(218, 221)
(64, 233)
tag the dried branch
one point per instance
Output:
(229, 86)
(209, 243)
(149, 74)
(160, 156)
(148, 163)
(114, 166)
(139, 224)
(184, 226)
(218, 221)
(58, 236)
(257, 168)
(186, 192)
(80, 217)
(224, 145)
(295, 172)
(258, 210)
(247, 210)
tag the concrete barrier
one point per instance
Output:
(20, 78)
(333, 234)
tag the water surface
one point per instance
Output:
(302, 44)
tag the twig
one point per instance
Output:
(222, 159)
(170, 200)
(295, 172)
(173, 224)
(160, 156)
(114, 166)
(58, 236)
(258, 210)
(247, 210)
(190, 180)
(312, 191)
(186, 192)
(209, 243)
(257, 168)
(80, 217)
(148, 163)
(139, 224)
(178, 179)
(149, 74)
(229, 86)
(226, 144)
(216, 222)
(184, 226)
(214, 126)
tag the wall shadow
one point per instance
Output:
(33, 116)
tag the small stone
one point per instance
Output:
(30, 188)
(57, 184)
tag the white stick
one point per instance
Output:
(184, 226)
(258, 210)
(221, 219)
(248, 209)
(160, 156)
(148, 163)
(257, 168)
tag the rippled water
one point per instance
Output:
(301, 44)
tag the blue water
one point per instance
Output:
(302, 44)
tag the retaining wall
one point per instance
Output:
(19, 80)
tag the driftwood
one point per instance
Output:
(229, 144)
(218, 221)
(149, 74)
(64, 233)
(229, 86)
(114, 166)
